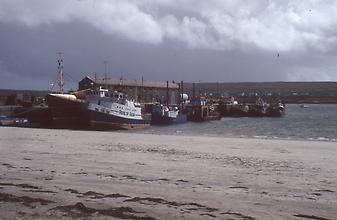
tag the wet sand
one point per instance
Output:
(64, 174)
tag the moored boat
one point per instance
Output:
(258, 109)
(6, 120)
(13, 121)
(165, 115)
(199, 110)
(67, 110)
(276, 110)
(112, 110)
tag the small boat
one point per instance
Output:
(13, 121)
(164, 115)
(276, 110)
(6, 120)
(199, 110)
(259, 109)
(112, 110)
(304, 106)
(264, 109)
(231, 108)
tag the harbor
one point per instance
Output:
(101, 108)
(107, 104)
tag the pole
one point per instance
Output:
(142, 92)
(182, 95)
(61, 75)
(167, 92)
(179, 94)
(105, 74)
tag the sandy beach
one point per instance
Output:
(66, 174)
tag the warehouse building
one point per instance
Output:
(139, 90)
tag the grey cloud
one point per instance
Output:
(214, 24)
(215, 40)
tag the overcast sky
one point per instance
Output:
(190, 40)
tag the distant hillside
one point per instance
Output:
(6, 92)
(290, 92)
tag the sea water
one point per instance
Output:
(317, 122)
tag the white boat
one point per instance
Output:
(112, 110)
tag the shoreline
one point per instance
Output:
(51, 173)
(181, 134)
(256, 137)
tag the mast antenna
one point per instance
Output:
(105, 74)
(60, 72)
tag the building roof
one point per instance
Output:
(139, 83)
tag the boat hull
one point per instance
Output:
(202, 113)
(275, 112)
(7, 122)
(67, 113)
(103, 121)
(157, 119)
(250, 110)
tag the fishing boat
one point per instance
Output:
(164, 115)
(112, 110)
(276, 110)
(263, 109)
(231, 108)
(260, 108)
(200, 110)
(67, 110)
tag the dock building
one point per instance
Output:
(140, 90)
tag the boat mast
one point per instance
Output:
(167, 93)
(142, 91)
(182, 95)
(105, 74)
(60, 75)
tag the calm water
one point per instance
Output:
(318, 122)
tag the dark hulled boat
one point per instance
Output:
(260, 108)
(166, 115)
(67, 110)
(199, 110)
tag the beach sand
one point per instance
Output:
(66, 174)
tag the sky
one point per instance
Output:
(159, 40)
